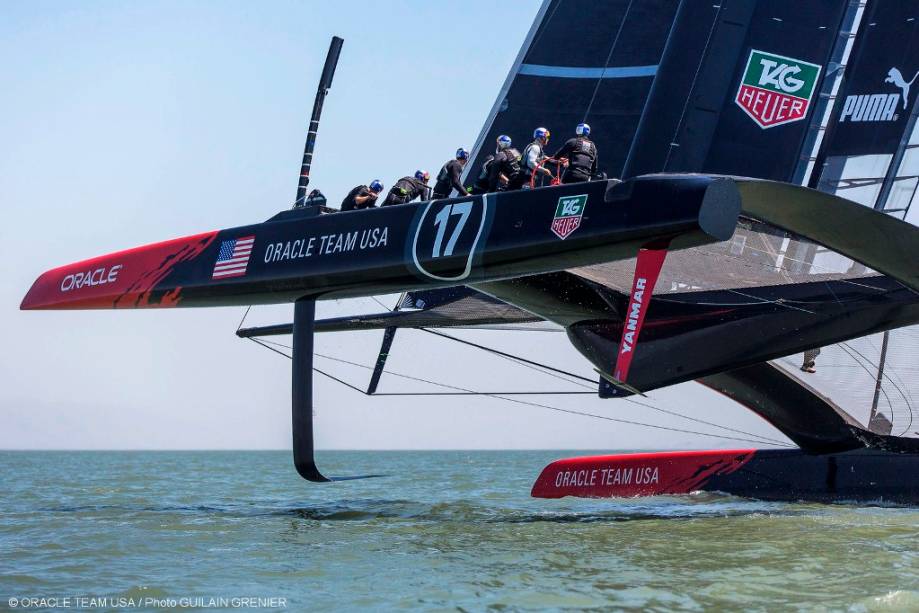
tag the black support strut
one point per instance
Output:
(302, 394)
(302, 390)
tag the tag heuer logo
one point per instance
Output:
(775, 89)
(568, 215)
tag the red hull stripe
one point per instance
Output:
(119, 280)
(647, 269)
(636, 474)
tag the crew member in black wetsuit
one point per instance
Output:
(449, 179)
(505, 173)
(481, 182)
(362, 196)
(407, 189)
(581, 153)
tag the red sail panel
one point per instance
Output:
(118, 280)
(636, 474)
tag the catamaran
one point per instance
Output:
(765, 156)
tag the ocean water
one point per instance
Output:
(445, 531)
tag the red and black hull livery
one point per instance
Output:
(440, 243)
(862, 475)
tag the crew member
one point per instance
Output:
(581, 153)
(505, 173)
(448, 178)
(362, 196)
(481, 182)
(407, 189)
(533, 155)
(315, 198)
(810, 360)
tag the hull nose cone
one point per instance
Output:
(135, 278)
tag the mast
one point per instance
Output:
(325, 84)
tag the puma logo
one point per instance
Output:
(896, 77)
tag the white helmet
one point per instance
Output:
(504, 141)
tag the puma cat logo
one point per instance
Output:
(896, 77)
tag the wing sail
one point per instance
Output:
(673, 86)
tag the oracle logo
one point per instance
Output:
(97, 276)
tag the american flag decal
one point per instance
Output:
(233, 257)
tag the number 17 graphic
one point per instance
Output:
(463, 209)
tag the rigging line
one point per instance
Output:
(472, 392)
(535, 404)
(747, 264)
(631, 422)
(540, 368)
(364, 392)
(508, 355)
(692, 87)
(890, 405)
(265, 345)
(379, 302)
(642, 404)
(275, 343)
(780, 302)
(894, 374)
(389, 372)
(342, 381)
(770, 251)
(876, 366)
(848, 349)
(466, 392)
(903, 395)
(509, 327)
(609, 56)
(492, 394)
(542, 371)
(241, 321)
(559, 409)
(828, 270)
(702, 421)
(343, 361)
(674, 297)
(545, 25)
(830, 289)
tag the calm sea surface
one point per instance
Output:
(446, 531)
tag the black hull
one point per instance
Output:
(862, 475)
(788, 475)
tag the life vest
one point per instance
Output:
(526, 155)
(583, 155)
(510, 164)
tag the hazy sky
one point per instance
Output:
(129, 123)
